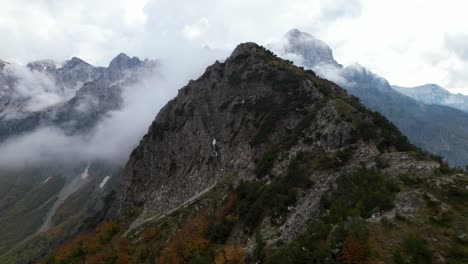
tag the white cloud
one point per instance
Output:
(401, 40)
(36, 90)
(196, 30)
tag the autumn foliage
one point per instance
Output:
(231, 254)
(91, 247)
(149, 234)
(187, 243)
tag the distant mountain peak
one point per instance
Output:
(435, 94)
(2, 64)
(43, 65)
(75, 61)
(313, 50)
(124, 61)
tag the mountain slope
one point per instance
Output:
(434, 94)
(68, 192)
(232, 110)
(262, 161)
(438, 129)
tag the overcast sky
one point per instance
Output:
(409, 42)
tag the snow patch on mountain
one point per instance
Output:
(85, 173)
(103, 182)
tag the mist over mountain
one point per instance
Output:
(435, 128)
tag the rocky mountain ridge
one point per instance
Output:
(434, 94)
(435, 128)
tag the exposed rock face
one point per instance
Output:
(209, 129)
(225, 123)
(435, 128)
(84, 93)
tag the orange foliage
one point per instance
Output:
(106, 229)
(123, 256)
(187, 243)
(98, 258)
(352, 252)
(83, 246)
(149, 234)
(231, 254)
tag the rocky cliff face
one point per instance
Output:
(248, 116)
(218, 124)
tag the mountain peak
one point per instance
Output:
(122, 56)
(75, 61)
(123, 61)
(294, 32)
(2, 64)
(43, 65)
(245, 49)
(313, 50)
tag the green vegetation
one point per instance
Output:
(417, 249)
(265, 164)
(359, 195)
(24, 217)
(325, 243)
(332, 162)
(258, 197)
(259, 250)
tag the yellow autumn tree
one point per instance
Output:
(231, 254)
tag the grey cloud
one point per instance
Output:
(332, 10)
(458, 44)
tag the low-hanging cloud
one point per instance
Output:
(114, 137)
(35, 90)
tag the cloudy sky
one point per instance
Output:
(408, 42)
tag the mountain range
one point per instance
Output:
(435, 128)
(84, 93)
(260, 161)
(434, 94)
(256, 161)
